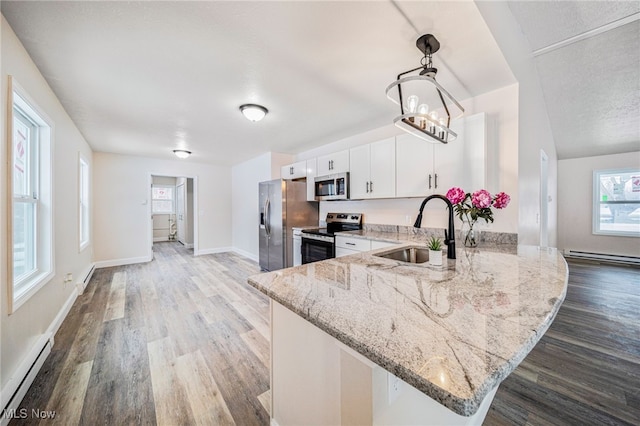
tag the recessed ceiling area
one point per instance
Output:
(145, 78)
(591, 81)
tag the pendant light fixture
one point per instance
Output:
(181, 153)
(426, 108)
(253, 112)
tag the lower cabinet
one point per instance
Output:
(349, 245)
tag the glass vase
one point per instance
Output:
(470, 237)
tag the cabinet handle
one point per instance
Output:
(429, 181)
(350, 244)
(436, 181)
(370, 186)
(367, 187)
(290, 170)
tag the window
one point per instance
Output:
(31, 230)
(83, 201)
(162, 199)
(616, 202)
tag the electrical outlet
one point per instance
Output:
(407, 220)
(395, 386)
(68, 277)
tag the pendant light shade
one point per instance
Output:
(253, 112)
(426, 108)
(181, 153)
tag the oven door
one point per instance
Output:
(316, 248)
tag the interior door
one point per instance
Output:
(180, 199)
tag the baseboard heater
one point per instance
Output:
(615, 258)
(16, 398)
(87, 277)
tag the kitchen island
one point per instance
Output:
(365, 339)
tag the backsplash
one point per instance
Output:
(487, 237)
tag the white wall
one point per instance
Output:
(534, 130)
(121, 185)
(575, 201)
(501, 107)
(21, 330)
(244, 182)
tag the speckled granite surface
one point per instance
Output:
(453, 332)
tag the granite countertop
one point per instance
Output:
(453, 332)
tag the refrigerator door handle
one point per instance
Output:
(267, 224)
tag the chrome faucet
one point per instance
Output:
(449, 234)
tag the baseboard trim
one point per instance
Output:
(85, 277)
(120, 262)
(245, 254)
(604, 257)
(212, 251)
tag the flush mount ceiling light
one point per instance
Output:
(181, 153)
(426, 108)
(253, 112)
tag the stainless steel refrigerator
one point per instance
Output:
(283, 205)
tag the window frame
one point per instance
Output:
(84, 202)
(23, 289)
(597, 203)
(173, 198)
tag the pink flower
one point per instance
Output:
(481, 199)
(501, 200)
(455, 195)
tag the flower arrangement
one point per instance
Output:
(470, 207)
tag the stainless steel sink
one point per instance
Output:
(407, 254)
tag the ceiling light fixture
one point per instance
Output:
(414, 94)
(253, 112)
(181, 153)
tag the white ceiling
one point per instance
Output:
(143, 78)
(591, 84)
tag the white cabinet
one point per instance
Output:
(372, 170)
(312, 172)
(338, 162)
(423, 168)
(294, 171)
(349, 245)
(375, 245)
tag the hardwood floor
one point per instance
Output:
(184, 340)
(586, 368)
(180, 340)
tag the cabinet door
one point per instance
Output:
(340, 162)
(414, 166)
(344, 252)
(312, 169)
(359, 172)
(294, 171)
(337, 162)
(462, 162)
(382, 175)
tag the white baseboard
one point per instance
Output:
(614, 258)
(213, 251)
(120, 262)
(245, 254)
(85, 277)
(160, 239)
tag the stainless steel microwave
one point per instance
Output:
(332, 187)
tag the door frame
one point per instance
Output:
(194, 213)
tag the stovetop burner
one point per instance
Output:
(338, 222)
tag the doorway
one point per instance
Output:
(544, 203)
(173, 218)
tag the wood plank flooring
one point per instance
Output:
(586, 368)
(184, 340)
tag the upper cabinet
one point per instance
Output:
(294, 171)
(372, 170)
(424, 168)
(338, 162)
(312, 172)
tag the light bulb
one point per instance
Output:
(423, 109)
(434, 119)
(412, 103)
(441, 129)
